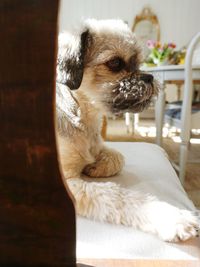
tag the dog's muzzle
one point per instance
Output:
(133, 93)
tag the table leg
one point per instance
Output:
(127, 121)
(135, 121)
(159, 115)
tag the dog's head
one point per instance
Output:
(104, 61)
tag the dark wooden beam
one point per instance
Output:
(37, 218)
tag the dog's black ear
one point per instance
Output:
(70, 60)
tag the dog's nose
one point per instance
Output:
(147, 78)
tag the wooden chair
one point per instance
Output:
(37, 218)
(185, 119)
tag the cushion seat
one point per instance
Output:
(147, 167)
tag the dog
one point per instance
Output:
(102, 62)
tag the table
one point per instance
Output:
(165, 74)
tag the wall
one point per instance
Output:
(179, 19)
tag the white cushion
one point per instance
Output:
(147, 167)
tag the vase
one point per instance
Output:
(160, 63)
(163, 63)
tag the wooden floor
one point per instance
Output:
(137, 263)
(117, 131)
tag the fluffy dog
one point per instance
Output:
(103, 62)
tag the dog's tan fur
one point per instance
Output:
(84, 150)
(81, 147)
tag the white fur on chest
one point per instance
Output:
(91, 119)
(78, 120)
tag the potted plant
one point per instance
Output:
(159, 54)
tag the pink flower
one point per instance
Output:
(151, 44)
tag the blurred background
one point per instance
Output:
(179, 19)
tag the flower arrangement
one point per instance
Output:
(159, 54)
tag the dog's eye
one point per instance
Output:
(116, 64)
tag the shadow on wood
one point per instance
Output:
(37, 218)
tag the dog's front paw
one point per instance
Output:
(173, 224)
(108, 163)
